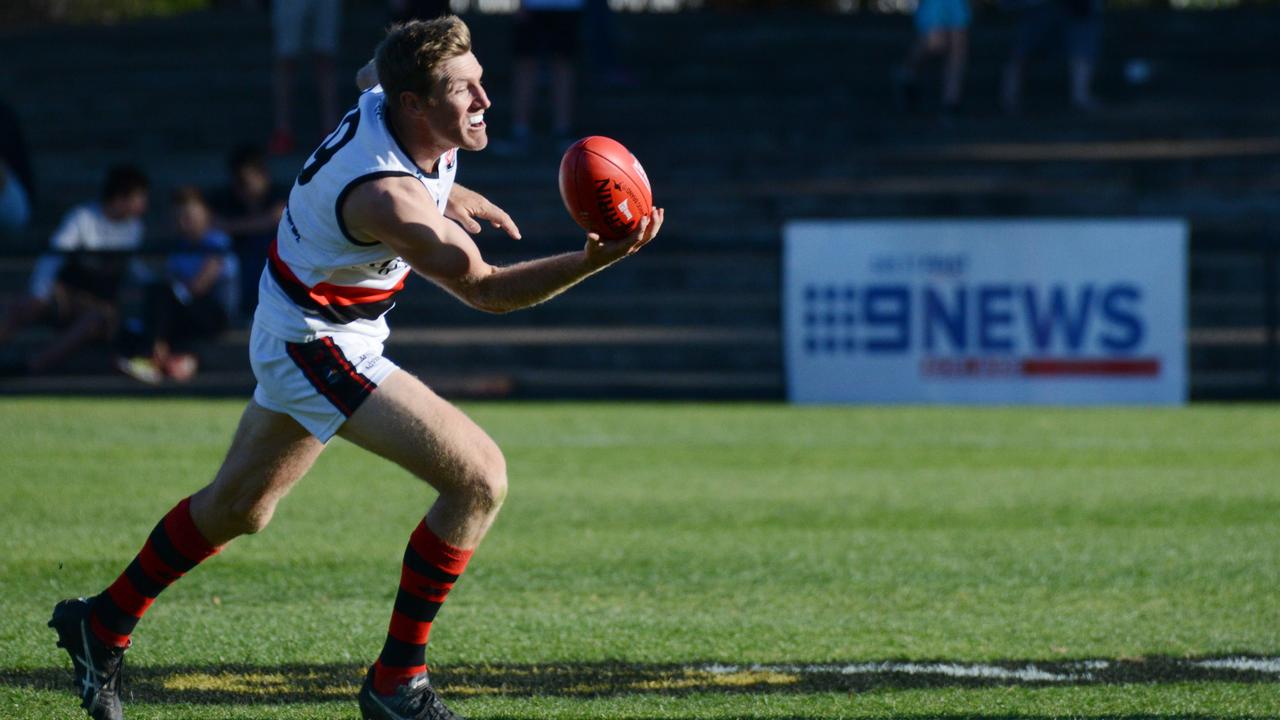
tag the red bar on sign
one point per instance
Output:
(1135, 367)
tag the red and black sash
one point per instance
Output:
(339, 304)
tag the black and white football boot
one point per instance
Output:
(95, 664)
(415, 700)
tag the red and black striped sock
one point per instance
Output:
(431, 567)
(174, 547)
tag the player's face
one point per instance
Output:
(458, 103)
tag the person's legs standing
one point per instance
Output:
(955, 23)
(953, 75)
(929, 41)
(1035, 21)
(324, 44)
(525, 80)
(563, 81)
(286, 23)
(564, 77)
(565, 30)
(526, 44)
(1084, 31)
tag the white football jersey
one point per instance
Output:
(320, 279)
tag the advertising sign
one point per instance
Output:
(986, 311)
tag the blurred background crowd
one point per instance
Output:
(147, 148)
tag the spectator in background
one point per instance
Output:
(942, 28)
(544, 30)
(290, 19)
(193, 302)
(1078, 23)
(249, 209)
(77, 289)
(602, 46)
(16, 187)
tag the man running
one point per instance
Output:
(371, 204)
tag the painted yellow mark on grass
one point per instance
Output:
(263, 684)
(266, 683)
(651, 681)
(748, 677)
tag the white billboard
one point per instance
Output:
(986, 311)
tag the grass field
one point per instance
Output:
(689, 561)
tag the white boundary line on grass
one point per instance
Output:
(1262, 665)
(1065, 672)
(1029, 673)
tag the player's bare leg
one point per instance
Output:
(407, 423)
(269, 453)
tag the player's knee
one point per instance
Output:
(486, 480)
(249, 516)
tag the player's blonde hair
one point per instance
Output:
(410, 56)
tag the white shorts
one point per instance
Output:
(318, 383)
(289, 18)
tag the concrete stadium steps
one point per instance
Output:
(730, 104)
(1202, 179)
(743, 122)
(710, 70)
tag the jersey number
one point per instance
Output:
(340, 136)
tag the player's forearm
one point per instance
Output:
(526, 284)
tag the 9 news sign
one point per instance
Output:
(986, 311)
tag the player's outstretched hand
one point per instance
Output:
(469, 207)
(604, 252)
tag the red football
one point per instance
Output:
(604, 187)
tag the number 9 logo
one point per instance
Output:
(340, 136)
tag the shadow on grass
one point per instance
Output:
(298, 683)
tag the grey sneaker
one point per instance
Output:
(96, 666)
(415, 700)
